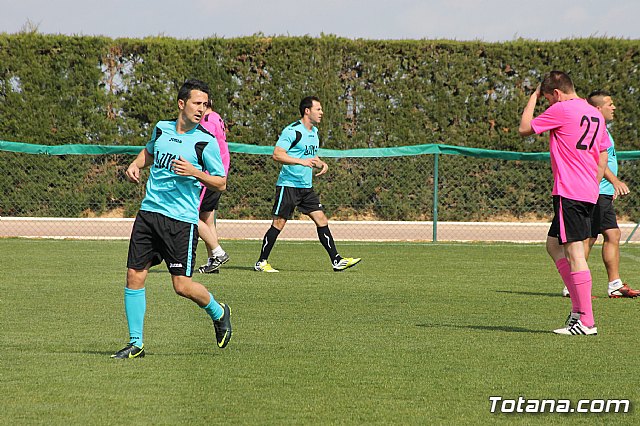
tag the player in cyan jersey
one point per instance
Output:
(578, 145)
(209, 199)
(179, 153)
(604, 217)
(297, 151)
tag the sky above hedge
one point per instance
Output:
(488, 20)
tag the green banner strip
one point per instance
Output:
(75, 149)
(426, 149)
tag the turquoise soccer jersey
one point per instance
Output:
(168, 193)
(299, 143)
(606, 187)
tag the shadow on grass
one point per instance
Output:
(237, 268)
(531, 293)
(302, 269)
(105, 353)
(158, 270)
(152, 354)
(505, 328)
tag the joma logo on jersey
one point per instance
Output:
(164, 160)
(310, 150)
(175, 140)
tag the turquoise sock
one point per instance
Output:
(135, 305)
(214, 309)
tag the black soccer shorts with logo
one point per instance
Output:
(571, 221)
(288, 198)
(156, 237)
(604, 216)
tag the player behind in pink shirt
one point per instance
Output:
(578, 145)
(209, 200)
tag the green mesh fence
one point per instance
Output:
(423, 192)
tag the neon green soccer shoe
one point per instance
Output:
(263, 266)
(345, 263)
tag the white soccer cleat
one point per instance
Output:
(574, 327)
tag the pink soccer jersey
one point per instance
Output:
(214, 124)
(577, 136)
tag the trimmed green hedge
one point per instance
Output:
(93, 90)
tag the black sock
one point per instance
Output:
(268, 241)
(326, 239)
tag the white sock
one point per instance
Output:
(217, 252)
(615, 284)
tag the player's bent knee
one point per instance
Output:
(319, 218)
(279, 222)
(181, 285)
(136, 278)
(612, 235)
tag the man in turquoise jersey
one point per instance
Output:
(604, 216)
(297, 151)
(166, 227)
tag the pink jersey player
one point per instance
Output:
(214, 124)
(577, 136)
(578, 145)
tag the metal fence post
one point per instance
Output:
(632, 232)
(435, 197)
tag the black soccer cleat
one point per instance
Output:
(223, 327)
(214, 263)
(129, 351)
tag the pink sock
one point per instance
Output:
(582, 282)
(564, 269)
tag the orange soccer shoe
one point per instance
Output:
(624, 291)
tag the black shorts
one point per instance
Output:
(604, 216)
(156, 237)
(288, 198)
(209, 199)
(571, 220)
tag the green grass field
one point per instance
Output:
(415, 334)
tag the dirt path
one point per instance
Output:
(297, 230)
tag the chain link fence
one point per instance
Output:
(387, 194)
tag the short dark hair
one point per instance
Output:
(595, 97)
(307, 103)
(192, 84)
(556, 80)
